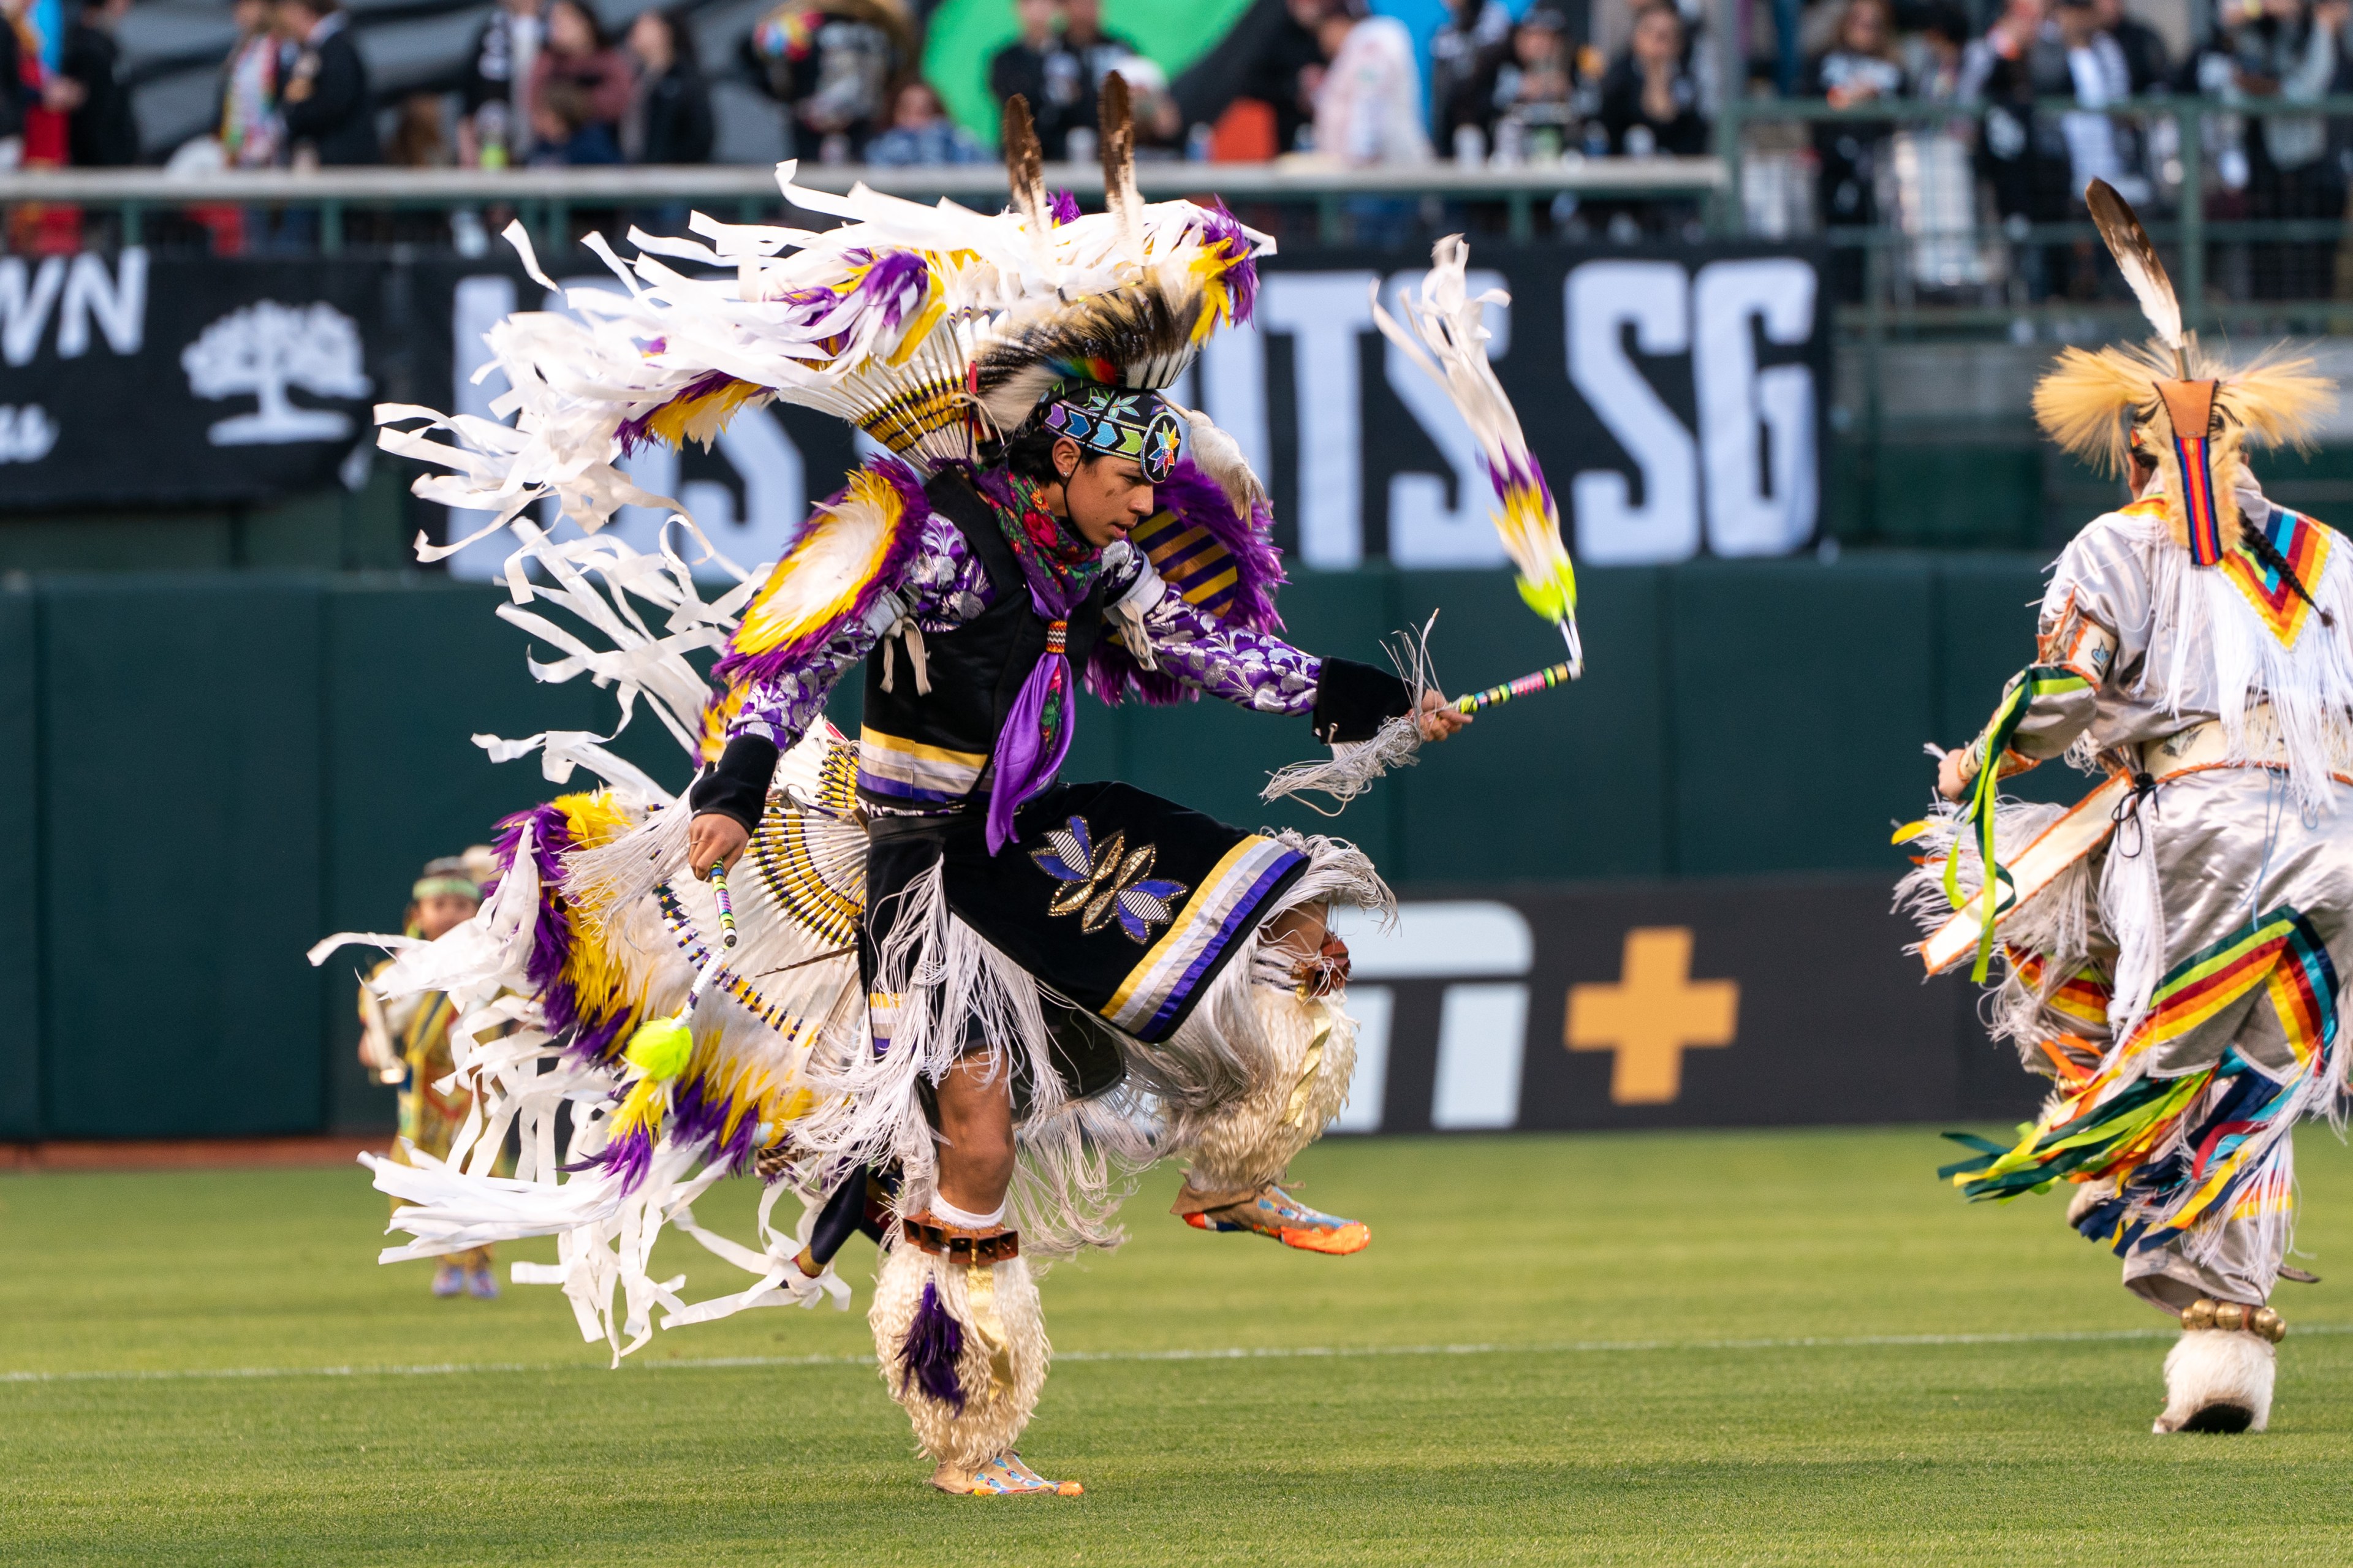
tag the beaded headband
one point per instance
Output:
(1119, 423)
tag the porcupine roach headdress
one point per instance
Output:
(936, 329)
(2179, 406)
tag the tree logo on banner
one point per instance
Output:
(27, 433)
(267, 348)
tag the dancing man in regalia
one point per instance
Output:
(917, 980)
(2170, 949)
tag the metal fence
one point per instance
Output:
(1945, 304)
(1947, 309)
(1333, 204)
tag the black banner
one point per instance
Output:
(162, 381)
(1674, 394)
(1697, 1004)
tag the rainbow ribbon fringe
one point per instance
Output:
(2176, 1164)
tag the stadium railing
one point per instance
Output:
(546, 198)
(1942, 311)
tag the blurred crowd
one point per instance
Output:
(2030, 82)
(2021, 159)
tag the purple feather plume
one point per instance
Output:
(737, 665)
(592, 1035)
(629, 1157)
(1112, 673)
(897, 281)
(1241, 279)
(634, 433)
(699, 1115)
(929, 1354)
(1062, 207)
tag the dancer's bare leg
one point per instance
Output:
(976, 1135)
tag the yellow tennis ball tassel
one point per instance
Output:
(660, 1049)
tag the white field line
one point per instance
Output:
(1259, 1353)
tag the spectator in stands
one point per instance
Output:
(2146, 57)
(100, 131)
(1463, 54)
(2023, 154)
(417, 141)
(1159, 123)
(1039, 66)
(670, 119)
(569, 132)
(328, 114)
(1368, 105)
(1531, 90)
(581, 87)
(34, 228)
(834, 63)
(921, 133)
(494, 123)
(1286, 73)
(1099, 54)
(1649, 98)
(1938, 46)
(20, 81)
(1859, 69)
(251, 135)
(2099, 146)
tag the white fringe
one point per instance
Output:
(1355, 764)
(993, 1418)
(2056, 922)
(1077, 1159)
(2308, 687)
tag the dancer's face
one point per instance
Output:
(1102, 497)
(440, 914)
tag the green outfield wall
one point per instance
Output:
(201, 772)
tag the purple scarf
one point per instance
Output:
(1060, 569)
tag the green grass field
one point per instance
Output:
(1751, 1348)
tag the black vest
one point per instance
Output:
(976, 670)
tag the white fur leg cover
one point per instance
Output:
(2215, 1367)
(963, 1349)
(1311, 1054)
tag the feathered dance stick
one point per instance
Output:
(1449, 342)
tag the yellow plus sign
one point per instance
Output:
(1654, 1014)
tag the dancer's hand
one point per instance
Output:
(1439, 718)
(1950, 783)
(714, 836)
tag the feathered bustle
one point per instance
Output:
(935, 330)
(831, 575)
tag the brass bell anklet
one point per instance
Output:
(2234, 1317)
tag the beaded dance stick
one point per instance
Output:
(726, 904)
(1552, 675)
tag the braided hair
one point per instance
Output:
(2259, 545)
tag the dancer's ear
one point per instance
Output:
(1067, 456)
